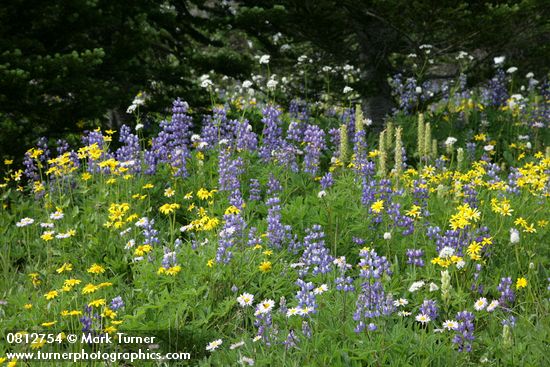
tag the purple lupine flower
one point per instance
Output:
(272, 133)
(465, 332)
(229, 236)
(117, 303)
(291, 340)
(245, 138)
(275, 230)
(507, 294)
(372, 302)
(429, 307)
(414, 257)
(475, 284)
(327, 181)
(229, 171)
(314, 140)
(305, 297)
(171, 146)
(255, 190)
(62, 146)
(316, 256)
(129, 153)
(306, 329)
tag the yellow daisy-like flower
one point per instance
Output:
(64, 267)
(148, 186)
(108, 313)
(110, 329)
(377, 206)
(265, 266)
(51, 295)
(142, 250)
(232, 210)
(97, 303)
(27, 306)
(48, 324)
(210, 263)
(38, 343)
(169, 208)
(96, 269)
(89, 288)
(169, 192)
(71, 282)
(521, 283)
(47, 236)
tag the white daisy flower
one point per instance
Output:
(56, 215)
(450, 325)
(214, 345)
(480, 304)
(245, 299)
(423, 318)
(293, 311)
(400, 302)
(320, 289)
(265, 306)
(25, 222)
(404, 313)
(492, 306)
(236, 345)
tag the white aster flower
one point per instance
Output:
(492, 306)
(400, 302)
(450, 325)
(488, 147)
(25, 222)
(214, 345)
(245, 299)
(320, 289)
(321, 194)
(423, 318)
(480, 304)
(264, 59)
(387, 236)
(236, 345)
(404, 313)
(57, 215)
(265, 306)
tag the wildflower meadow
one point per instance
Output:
(272, 233)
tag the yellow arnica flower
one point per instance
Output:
(51, 295)
(65, 267)
(71, 282)
(169, 271)
(143, 249)
(89, 288)
(169, 208)
(48, 324)
(377, 206)
(265, 266)
(27, 306)
(521, 283)
(97, 303)
(96, 269)
(109, 329)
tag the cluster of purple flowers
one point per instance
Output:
(465, 332)
(507, 294)
(314, 140)
(229, 236)
(228, 171)
(429, 308)
(129, 153)
(171, 145)
(372, 302)
(316, 257)
(415, 257)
